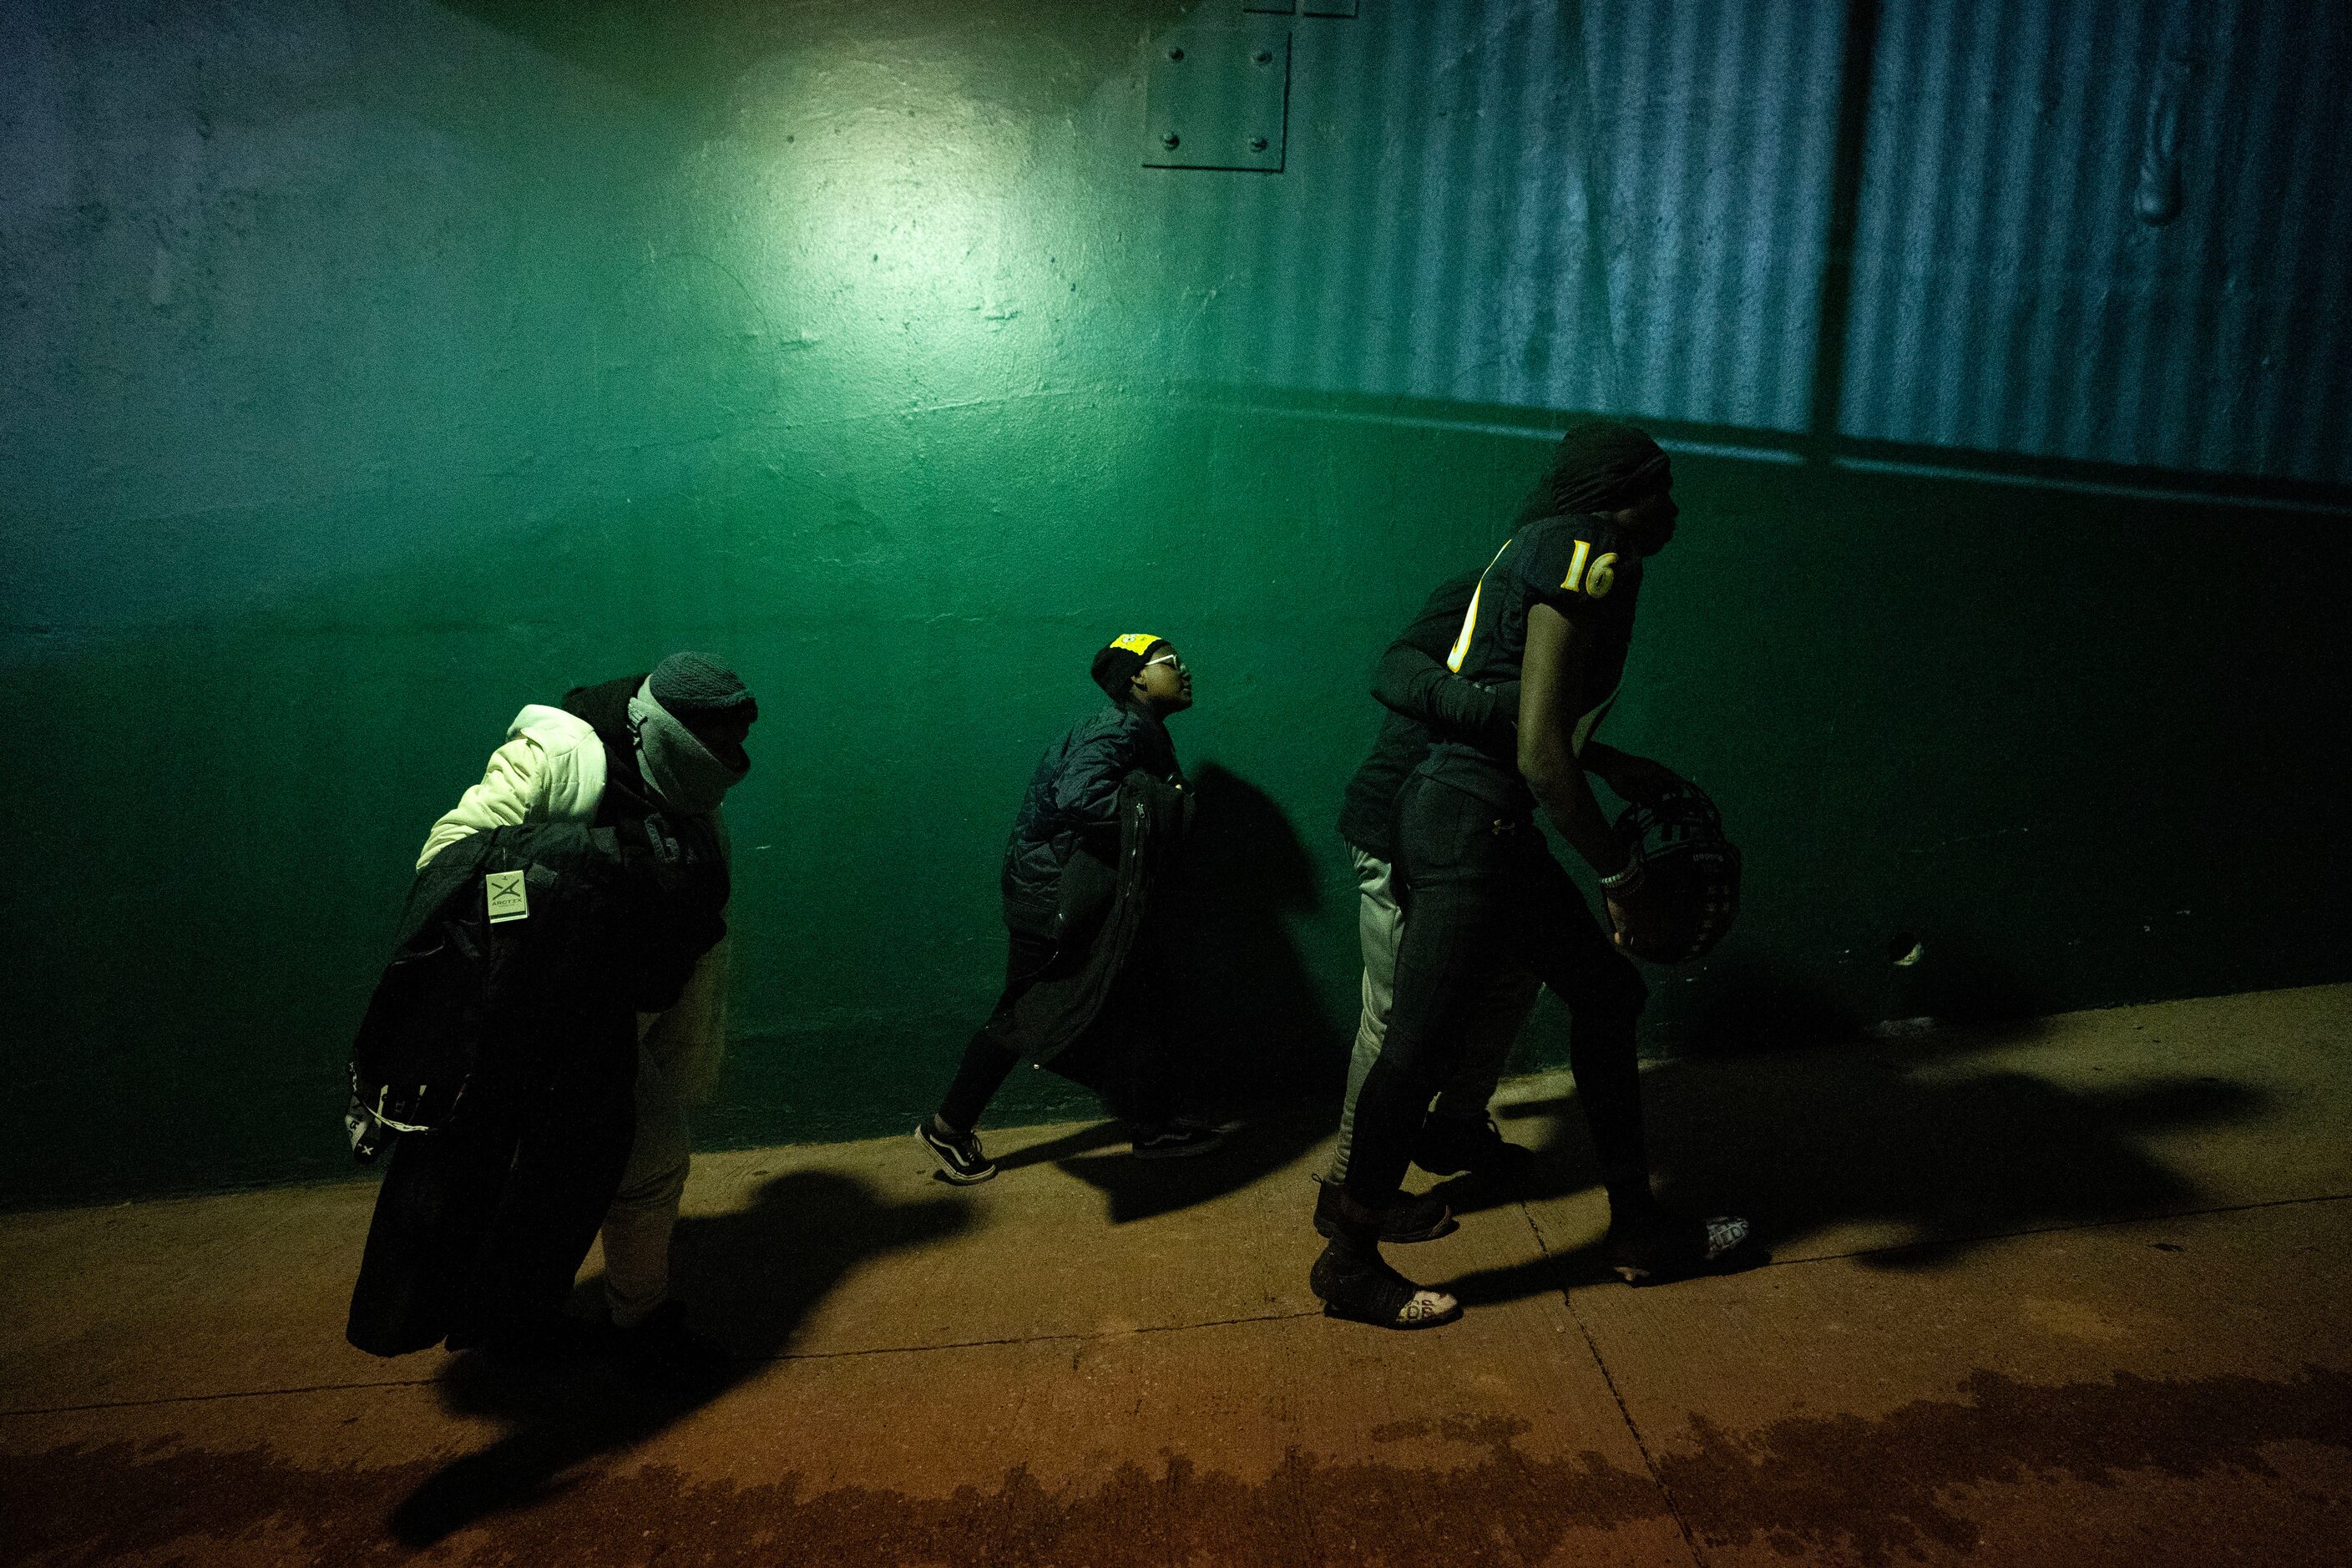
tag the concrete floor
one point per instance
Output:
(2076, 1292)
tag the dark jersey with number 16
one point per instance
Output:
(1582, 566)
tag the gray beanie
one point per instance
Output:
(695, 686)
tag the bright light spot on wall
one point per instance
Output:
(892, 222)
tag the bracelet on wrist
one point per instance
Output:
(1620, 881)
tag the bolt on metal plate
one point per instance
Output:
(1218, 97)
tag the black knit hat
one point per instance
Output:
(696, 687)
(1600, 465)
(1120, 662)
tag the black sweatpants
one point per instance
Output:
(988, 1059)
(1482, 895)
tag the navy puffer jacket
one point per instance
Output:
(1073, 802)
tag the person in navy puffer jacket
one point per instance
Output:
(1070, 859)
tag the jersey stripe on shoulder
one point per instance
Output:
(1470, 617)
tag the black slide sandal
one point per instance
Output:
(1673, 1249)
(1370, 1292)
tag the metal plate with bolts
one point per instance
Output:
(1218, 97)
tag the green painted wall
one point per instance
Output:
(372, 372)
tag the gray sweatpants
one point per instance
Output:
(1379, 922)
(645, 1211)
(678, 1057)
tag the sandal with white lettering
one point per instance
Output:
(1663, 1251)
(1367, 1290)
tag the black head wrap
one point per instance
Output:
(1121, 661)
(1600, 465)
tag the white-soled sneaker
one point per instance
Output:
(960, 1160)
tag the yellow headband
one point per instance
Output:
(1135, 643)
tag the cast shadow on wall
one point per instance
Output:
(753, 1275)
(1258, 1043)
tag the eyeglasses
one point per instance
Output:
(1168, 659)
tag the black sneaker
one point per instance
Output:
(1448, 1145)
(1408, 1219)
(1176, 1140)
(961, 1160)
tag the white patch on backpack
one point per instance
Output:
(507, 899)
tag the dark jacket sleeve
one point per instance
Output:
(1412, 678)
(1410, 682)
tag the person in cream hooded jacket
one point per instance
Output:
(670, 741)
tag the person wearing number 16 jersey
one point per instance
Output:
(1554, 611)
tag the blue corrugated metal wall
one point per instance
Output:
(2007, 294)
(1713, 128)
(1626, 206)
(1464, 218)
(1401, 252)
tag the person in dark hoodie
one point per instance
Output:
(1101, 812)
(1554, 611)
(663, 746)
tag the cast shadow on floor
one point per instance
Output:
(1259, 1046)
(1905, 1133)
(751, 1276)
